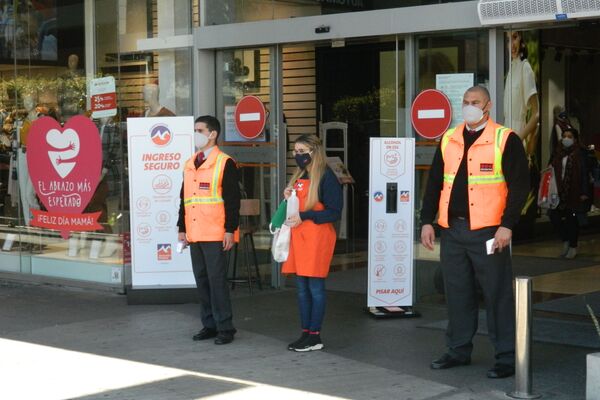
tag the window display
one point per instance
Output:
(48, 185)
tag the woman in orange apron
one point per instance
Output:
(313, 236)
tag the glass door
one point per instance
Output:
(253, 72)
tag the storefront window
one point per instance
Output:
(241, 73)
(153, 18)
(232, 11)
(71, 76)
(450, 63)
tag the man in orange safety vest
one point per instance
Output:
(208, 223)
(478, 184)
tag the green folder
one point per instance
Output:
(280, 215)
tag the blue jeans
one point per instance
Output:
(311, 301)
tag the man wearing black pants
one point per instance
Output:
(208, 223)
(478, 183)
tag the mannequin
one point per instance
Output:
(154, 109)
(13, 183)
(29, 104)
(73, 64)
(71, 89)
(28, 197)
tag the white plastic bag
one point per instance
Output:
(281, 243)
(282, 236)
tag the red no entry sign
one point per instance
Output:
(431, 113)
(250, 117)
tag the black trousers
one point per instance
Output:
(566, 223)
(209, 263)
(464, 262)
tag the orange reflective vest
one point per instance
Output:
(203, 199)
(486, 185)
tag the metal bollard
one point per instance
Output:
(523, 340)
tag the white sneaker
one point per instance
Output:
(571, 253)
(311, 343)
(565, 249)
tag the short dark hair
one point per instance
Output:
(211, 122)
(480, 89)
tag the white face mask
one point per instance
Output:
(472, 114)
(200, 140)
(567, 142)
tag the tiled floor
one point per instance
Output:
(577, 281)
(588, 249)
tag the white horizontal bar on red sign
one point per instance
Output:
(431, 114)
(249, 117)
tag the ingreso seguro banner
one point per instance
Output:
(158, 149)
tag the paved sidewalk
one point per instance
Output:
(61, 343)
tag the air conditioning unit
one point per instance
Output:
(504, 12)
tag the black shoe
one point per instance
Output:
(225, 337)
(205, 333)
(292, 345)
(499, 371)
(447, 361)
(311, 343)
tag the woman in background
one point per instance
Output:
(572, 181)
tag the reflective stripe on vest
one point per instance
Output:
(213, 197)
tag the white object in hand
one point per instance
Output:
(489, 245)
(293, 205)
(180, 247)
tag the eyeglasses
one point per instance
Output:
(301, 151)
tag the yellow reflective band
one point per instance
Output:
(446, 139)
(449, 178)
(202, 200)
(485, 179)
(497, 150)
(216, 173)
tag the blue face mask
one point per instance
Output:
(303, 159)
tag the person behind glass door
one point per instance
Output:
(313, 236)
(561, 123)
(155, 109)
(209, 215)
(478, 183)
(569, 162)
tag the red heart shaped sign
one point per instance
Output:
(64, 165)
